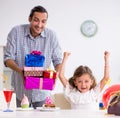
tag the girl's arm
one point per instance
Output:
(106, 71)
(62, 77)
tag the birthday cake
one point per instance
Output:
(25, 102)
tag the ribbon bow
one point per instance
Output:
(35, 52)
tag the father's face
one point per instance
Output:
(37, 23)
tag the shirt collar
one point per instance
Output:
(27, 32)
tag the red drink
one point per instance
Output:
(8, 95)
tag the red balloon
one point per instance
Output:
(109, 92)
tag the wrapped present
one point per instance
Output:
(33, 68)
(33, 71)
(114, 104)
(34, 59)
(49, 74)
(39, 83)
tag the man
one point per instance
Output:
(22, 40)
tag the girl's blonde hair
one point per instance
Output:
(79, 72)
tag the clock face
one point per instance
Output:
(88, 28)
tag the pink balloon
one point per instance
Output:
(109, 92)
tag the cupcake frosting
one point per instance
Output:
(24, 100)
(48, 100)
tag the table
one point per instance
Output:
(57, 114)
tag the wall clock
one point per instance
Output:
(88, 28)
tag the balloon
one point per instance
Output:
(109, 92)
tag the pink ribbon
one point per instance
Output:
(41, 83)
(35, 52)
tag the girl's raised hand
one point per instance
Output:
(106, 55)
(66, 54)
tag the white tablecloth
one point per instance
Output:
(56, 114)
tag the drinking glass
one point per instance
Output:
(8, 95)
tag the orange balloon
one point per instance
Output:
(109, 92)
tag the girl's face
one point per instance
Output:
(83, 83)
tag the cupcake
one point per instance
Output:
(49, 103)
(25, 102)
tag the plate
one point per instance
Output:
(25, 109)
(48, 109)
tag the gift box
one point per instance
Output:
(49, 74)
(34, 59)
(39, 83)
(114, 104)
(33, 68)
(33, 71)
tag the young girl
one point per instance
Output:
(81, 89)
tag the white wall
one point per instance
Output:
(1, 67)
(65, 17)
